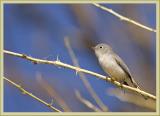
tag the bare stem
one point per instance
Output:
(86, 102)
(77, 69)
(83, 77)
(123, 18)
(52, 92)
(31, 95)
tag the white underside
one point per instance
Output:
(111, 67)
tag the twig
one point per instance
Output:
(86, 102)
(52, 92)
(61, 64)
(123, 18)
(132, 98)
(31, 95)
(83, 77)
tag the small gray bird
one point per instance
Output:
(113, 65)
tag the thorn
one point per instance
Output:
(77, 70)
(51, 102)
(57, 59)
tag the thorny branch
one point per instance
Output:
(52, 92)
(77, 69)
(123, 18)
(31, 95)
(83, 77)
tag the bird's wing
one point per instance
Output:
(125, 69)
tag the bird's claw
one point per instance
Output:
(112, 80)
(121, 85)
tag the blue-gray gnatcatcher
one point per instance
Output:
(113, 65)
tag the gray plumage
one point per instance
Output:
(113, 65)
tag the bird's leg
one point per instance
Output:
(121, 85)
(125, 83)
(112, 80)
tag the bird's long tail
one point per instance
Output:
(138, 87)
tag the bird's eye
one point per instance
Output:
(100, 47)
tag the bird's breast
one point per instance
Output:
(111, 67)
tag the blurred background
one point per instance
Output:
(38, 30)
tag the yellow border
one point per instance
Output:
(83, 2)
(83, 113)
(158, 57)
(1, 60)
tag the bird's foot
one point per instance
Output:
(112, 80)
(121, 85)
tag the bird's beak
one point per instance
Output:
(93, 48)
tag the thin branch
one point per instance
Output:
(123, 18)
(132, 98)
(83, 77)
(77, 69)
(86, 102)
(31, 95)
(52, 92)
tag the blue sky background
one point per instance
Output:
(38, 30)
